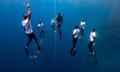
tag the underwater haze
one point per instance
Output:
(104, 15)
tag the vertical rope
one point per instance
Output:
(55, 38)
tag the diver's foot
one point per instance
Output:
(93, 53)
(95, 62)
(37, 52)
(74, 50)
(32, 57)
(35, 57)
(60, 38)
(26, 51)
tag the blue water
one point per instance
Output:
(104, 15)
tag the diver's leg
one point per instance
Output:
(58, 27)
(43, 34)
(60, 32)
(40, 34)
(38, 46)
(90, 48)
(82, 32)
(27, 45)
(35, 38)
(73, 41)
(73, 49)
(93, 52)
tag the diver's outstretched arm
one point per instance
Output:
(29, 12)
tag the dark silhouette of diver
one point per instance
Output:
(82, 27)
(29, 32)
(92, 44)
(75, 37)
(59, 20)
(41, 30)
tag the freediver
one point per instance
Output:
(53, 25)
(82, 27)
(41, 30)
(59, 20)
(92, 44)
(26, 23)
(75, 37)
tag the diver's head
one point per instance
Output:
(40, 22)
(24, 16)
(82, 18)
(27, 4)
(76, 27)
(58, 14)
(93, 30)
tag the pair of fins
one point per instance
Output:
(37, 53)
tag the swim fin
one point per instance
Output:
(73, 51)
(26, 51)
(37, 52)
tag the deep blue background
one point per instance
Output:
(104, 15)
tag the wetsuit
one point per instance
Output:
(59, 23)
(91, 44)
(92, 41)
(75, 36)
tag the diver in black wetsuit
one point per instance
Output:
(29, 32)
(75, 37)
(92, 44)
(59, 20)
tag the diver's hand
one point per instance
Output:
(28, 5)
